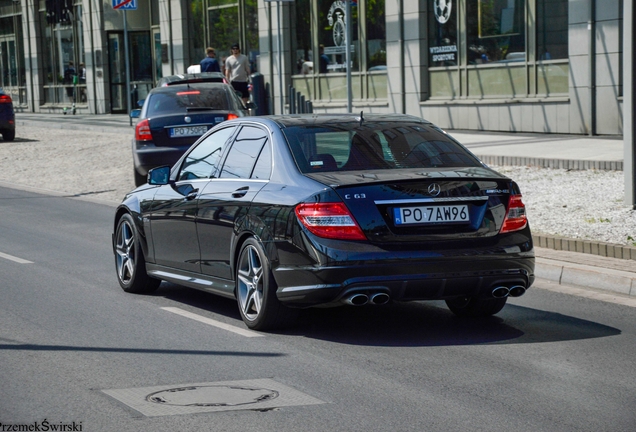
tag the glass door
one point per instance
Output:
(117, 61)
(141, 68)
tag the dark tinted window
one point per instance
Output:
(243, 154)
(263, 167)
(203, 160)
(173, 100)
(372, 146)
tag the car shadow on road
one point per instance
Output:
(411, 324)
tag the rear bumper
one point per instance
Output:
(406, 281)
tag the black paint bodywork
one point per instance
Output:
(194, 240)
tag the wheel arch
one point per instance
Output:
(253, 227)
(139, 226)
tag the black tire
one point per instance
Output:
(256, 290)
(475, 307)
(139, 179)
(8, 135)
(129, 259)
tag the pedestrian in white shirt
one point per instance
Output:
(237, 71)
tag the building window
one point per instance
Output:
(495, 31)
(63, 53)
(552, 29)
(376, 35)
(442, 34)
(332, 27)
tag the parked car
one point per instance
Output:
(174, 117)
(289, 212)
(7, 117)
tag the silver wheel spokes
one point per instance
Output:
(125, 253)
(250, 283)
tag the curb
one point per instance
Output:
(571, 164)
(591, 247)
(597, 278)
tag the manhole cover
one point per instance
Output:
(212, 396)
(191, 398)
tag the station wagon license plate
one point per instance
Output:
(430, 214)
(178, 132)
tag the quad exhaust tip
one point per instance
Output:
(504, 291)
(380, 298)
(360, 299)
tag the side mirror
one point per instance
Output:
(135, 113)
(159, 176)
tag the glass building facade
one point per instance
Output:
(511, 65)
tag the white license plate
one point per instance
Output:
(179, 132)
(430, 214)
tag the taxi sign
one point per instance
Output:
(125, 4)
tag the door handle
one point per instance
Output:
(240, 192)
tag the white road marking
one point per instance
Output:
(590, 294)
(15, 259)
(209, 321)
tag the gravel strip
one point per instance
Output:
(575, 204)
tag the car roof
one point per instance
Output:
(191, 78)
(319, 119)
(174, 88)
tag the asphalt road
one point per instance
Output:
(75, 348)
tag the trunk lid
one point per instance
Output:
(421, 205)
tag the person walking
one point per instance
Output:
(209, 63)
(82, 81)
(237, 71)
(70, 75)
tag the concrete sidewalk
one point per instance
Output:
(568, 262)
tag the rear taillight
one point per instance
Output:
(232, 116)
(142, 131)
(329, 220)
(5, 99)
(515, 216)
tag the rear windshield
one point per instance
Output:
(184, 99)
(375, 146)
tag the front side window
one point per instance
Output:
(203, 160)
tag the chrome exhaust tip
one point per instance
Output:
(357, 300)
(501, 292)
(517, 291)
(380, 298)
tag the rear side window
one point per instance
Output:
(373, 146)
(242, 156)
(183, 99)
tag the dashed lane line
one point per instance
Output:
(209, 321)
(15, 259)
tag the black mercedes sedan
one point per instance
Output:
(288, 212)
